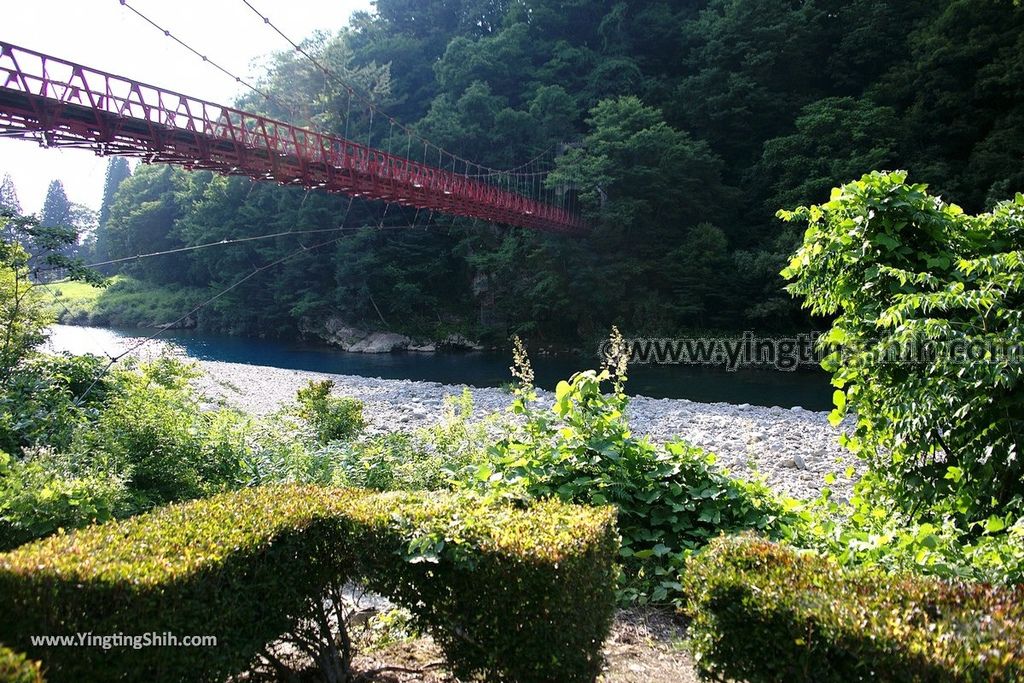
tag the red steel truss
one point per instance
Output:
(61, 103)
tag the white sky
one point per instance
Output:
(107, 36)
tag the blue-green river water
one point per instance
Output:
(807, 388)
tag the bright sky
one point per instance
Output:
(107, 36)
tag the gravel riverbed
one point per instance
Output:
(793, 449)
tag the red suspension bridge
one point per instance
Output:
(61, 103)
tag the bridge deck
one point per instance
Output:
(61, 103)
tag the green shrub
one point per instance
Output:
(430, 458)
(153, 433)
(513, 594)
(458, 440)
(88, 445)
(279, 453)
(388, 462)
(16, 668)
(38, 496)
(45, 400)
(766, 612)
(866, 531)
(925, 345)
(332, 418)
(24, 314)
(671, 500)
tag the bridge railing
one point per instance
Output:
(255, 145)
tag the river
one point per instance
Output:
(806, 388)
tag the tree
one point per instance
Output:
(742, 55)
(928, 304)
(504, 61)
(700, 271)
(555, 112)
(85, 221)
(682, 125)
(23, 312)
(118, 171)
(142, 219)
(58, 212)
(301, 94)
(56, 207)
(960, 100)
(646, 185)
(9, 203)
(836, 139)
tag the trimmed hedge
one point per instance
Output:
(513, 594)
(17, 668)
(767, 612)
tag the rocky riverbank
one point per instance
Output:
(793, 449)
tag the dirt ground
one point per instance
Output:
(643, 647)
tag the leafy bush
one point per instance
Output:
(279, 452)
(514, 594)
(925, 345)
(154, 434)
(332, 418)
(38, 496)
(671, 500)
(87, 445)
(23, 313)
(16, 668)
(388, 462)
(458, 439)
(865, 531)
(765, 612)
(431, 458)
(47, 397)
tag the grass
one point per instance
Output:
(78, 291)
(124, 302)
(73, 302)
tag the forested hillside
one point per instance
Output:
(684, 125)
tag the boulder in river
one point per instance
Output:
(380, 342)
(457, 341)
(336, 332)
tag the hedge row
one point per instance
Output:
(17, 668)
(766, 612)
(512, 594)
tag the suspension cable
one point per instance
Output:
(296, 116)
(224, 242)
(331, 74)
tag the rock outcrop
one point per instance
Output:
(349, 338)
(336, 332)
(459, 343)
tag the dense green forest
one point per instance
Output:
(684, 125)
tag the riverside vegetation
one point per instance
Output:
(510, 540)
